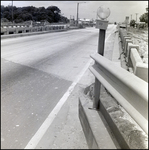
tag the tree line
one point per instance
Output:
(52, 14)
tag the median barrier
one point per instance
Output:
(129, 90)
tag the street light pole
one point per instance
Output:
(102, 24)
(77, 12)
(136, 16)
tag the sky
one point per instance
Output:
(88, 9)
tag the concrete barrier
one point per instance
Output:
(96, 133)
(126, 45)
(135, 57)
(23, 29)
(123, 34)
(124, 40)
(141, 71)
(130, 45)
(19, 32)
(132, 57)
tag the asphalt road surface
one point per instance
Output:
(36, 71)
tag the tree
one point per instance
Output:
(4, 20)
(54, 9)
(64, 19)
(144, 17)
(132, 23)
(20, 14)
(7, 15)
(26, 16)
(54, 12)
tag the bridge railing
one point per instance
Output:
(132, 57)
(129, 90)
(6, 30)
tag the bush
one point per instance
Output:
(4, 20)
(80, 26)
(141, 26)
(132, 23)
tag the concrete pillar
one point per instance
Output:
(135, 57)
(122, 38)
(126, 44)
(126, 37)
(129, 47)
(141, 71)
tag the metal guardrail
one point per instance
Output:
(129, 90)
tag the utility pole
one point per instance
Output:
(96, 14)
(131, 17)
(78, 12)
(136, 16)
(12, 11)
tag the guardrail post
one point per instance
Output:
(129, 47)
(126, 44)
(102, 25)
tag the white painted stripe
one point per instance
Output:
(46, 124)
(43, 128)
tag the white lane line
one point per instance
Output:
(46, 124)
(43, 128)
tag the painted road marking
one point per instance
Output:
(46, 124)
(43, 128)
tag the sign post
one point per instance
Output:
(102, 24)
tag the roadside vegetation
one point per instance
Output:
(143, 21)
(139, 34)
(51, 14)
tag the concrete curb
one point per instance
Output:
(110, 121)
(94, 129)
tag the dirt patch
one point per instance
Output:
(134, 136)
